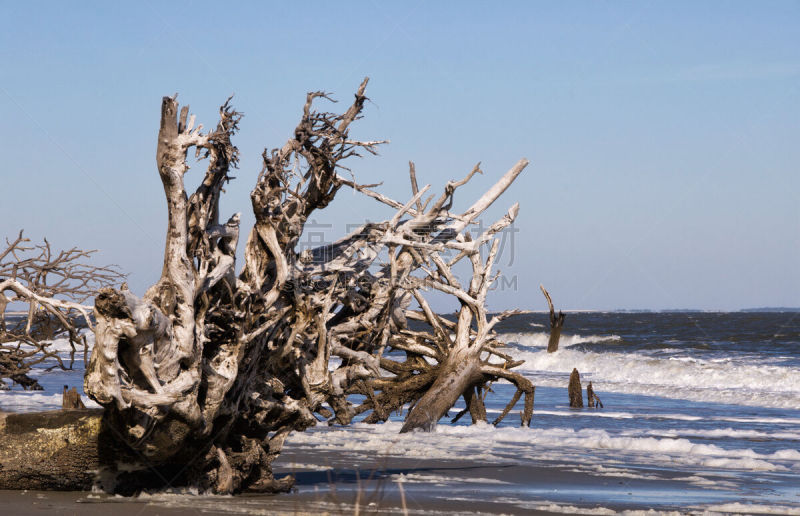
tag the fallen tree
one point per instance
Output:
(204, 376)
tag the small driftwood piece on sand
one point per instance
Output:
(575, 391)
(556, 323)
(591, 397)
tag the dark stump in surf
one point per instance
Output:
(556, 323)
(575, 391)
(591, 397)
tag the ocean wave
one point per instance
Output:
(540, 339)
(721, 433)
(661, 416)
(694, 379)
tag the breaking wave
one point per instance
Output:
(539, 339)
(696, 379)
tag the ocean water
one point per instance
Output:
(701, 413)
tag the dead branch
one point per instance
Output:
(52, 286)
(556, 323)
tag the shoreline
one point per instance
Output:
(694, 422)
(347, 481)
(348, 486)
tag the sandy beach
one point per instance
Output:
(356, 481)
(349, 485)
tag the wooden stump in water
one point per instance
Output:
(591, 397)
(575, 391)
(556, 323)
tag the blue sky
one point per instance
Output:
(663, 136)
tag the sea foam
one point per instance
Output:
(698, 379)
(486, 443)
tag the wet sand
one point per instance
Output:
(346, 483)
(353, 480)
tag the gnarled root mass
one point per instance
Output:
(211, 369)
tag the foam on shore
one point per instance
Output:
(486, 443)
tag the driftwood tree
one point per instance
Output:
(556, 323)
(204, 376)
(52, 286)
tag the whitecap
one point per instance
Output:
(695, 379)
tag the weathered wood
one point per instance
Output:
(456, 377)
(528, 412)
(592, 398)
(477, 409)
(76, 450)
(556, 323)
(575, 390)
(50, 450)
(203, 377)
(508, 407)
(70, 399)
(53, 285)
